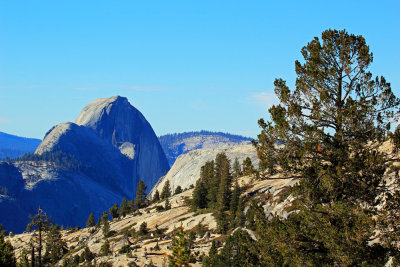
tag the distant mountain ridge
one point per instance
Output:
(12, 146)
(180, 143)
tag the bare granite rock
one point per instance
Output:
(186, 169)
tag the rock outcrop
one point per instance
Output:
(181, 143)
(97, 159)
(186, 169)
(115, 120)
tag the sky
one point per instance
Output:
(186, 65)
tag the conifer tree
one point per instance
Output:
(236, 168)
(23, 259)
(328, 131)
(239, 250)
(131, 205)
(156, 197)
(166, 191)
(167, 205)
(222, 219)
(55, 246)
(240, 217)
(7, 257)
(211, 260)
(143, 228)
(3, 231)
(103, 218)
(124, 208)
(140, 198)
(88, 255)
(106, 224)
(199, 196)
(178, 190)
(180, 250)
(91, 220)
(222, 172)
(114, 211)
(105, 248)
(207, 174)
(39, 223)
(234, 205)
(224, 190)
(248, 168)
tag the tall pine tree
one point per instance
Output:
(140, 198)
(180, 255)
(56, 247)
(39, 223)
(236, 168)
(166, 191)
(91, 221)
(124, 208)
(7, 257)
(330, 127)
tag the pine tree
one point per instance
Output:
(40, 223)
(234, 205)
(236, 169)
(143, 229)
(178, 190)
(167, 205)
(105, 248)
(222, 221)
(55, 246)
(140, 198)
(114, 211)
(330, 128)
(211, 182)
(239, 250)
(240, 217)
(248, 168)
(106, 224)
(211, 259)
(87, 255)
(7, 257)
(23, 259)
(166, 191)
(3, 231)
(103, 218)
(124, 208)
(156, 197)
(199, 196)
(180, 250)
(91, 221)
(224, 190)
(131, 205)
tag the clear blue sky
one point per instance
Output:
(186, 65)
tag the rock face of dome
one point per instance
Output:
(83, 167)
(186, 169)
(115, 120)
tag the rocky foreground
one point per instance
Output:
(143, 248)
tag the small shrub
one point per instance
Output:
(159, 208)
(125, 249)
(143, 229)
